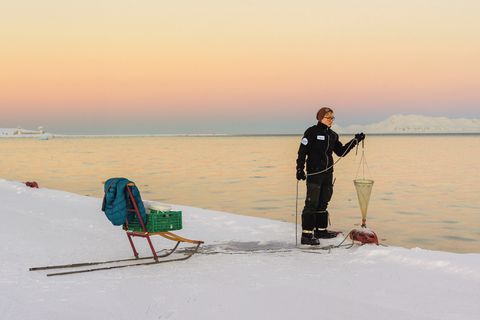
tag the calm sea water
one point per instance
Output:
(426, 191)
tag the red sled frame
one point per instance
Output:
(146, 234)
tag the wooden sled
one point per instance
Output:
(74, 268)
(146, 234)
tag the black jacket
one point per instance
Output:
(317, 145)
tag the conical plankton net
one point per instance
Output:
(364, 189)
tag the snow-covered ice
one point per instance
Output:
(249, 268)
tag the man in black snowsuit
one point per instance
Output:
(317, 145)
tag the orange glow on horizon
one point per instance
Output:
(211, 57)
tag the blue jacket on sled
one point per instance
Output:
(116, 201)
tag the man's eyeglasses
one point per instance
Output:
(329, 118)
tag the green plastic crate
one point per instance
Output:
(159, 221)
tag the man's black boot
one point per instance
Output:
(325, 234)
(309, 239)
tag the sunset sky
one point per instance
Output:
(213, 66)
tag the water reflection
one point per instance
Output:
(424, 194)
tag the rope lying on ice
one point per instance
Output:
(279, 248)
(310, 249)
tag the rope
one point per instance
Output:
(328, 168)
(348, 235)
(296, 217)
(213, 250)
(363, 163)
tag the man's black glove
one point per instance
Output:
(359, 136)
(301, 174)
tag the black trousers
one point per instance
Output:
(319, 193)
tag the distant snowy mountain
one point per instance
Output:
(415, 124)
